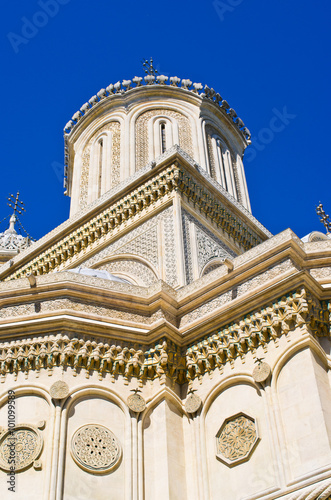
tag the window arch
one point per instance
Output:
(163, 133)
(163, 139)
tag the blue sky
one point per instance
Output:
(263, 57)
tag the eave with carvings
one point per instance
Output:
(132, 202)
(274, 289)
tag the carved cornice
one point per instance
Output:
(257, 329)
(157, 361)
(169, 178)
(165, 358)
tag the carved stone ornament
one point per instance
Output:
(95, 449)
(59, 390)
(22, 444)
(192, 403)
(261, 372)
(136, 403)
(236, 439)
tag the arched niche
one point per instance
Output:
(240, 400)
(164, 450)
(136, 270)
(91, 412)
(34, 423)
(302, 388)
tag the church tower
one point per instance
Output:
(161, 343)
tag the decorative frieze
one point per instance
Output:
(258, 329)
(173, 177)
(167, 359)
(130, 360)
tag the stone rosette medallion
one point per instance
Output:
(236, 439)
(23, 444)
(192, 403)
(59, 390)
(95, 449)
(136, 403)
(261, 372)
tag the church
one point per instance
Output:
(161, 343)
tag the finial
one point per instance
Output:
(15, 203)
(18, 208)
(324, 218)
(148, 67)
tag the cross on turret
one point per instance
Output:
(15, 203)
(324, 218)
(149, 68)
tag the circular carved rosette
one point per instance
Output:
(20, 447)
(261, 372)
(59, 390)
(95, 449)
(136, 403)
(192, 403)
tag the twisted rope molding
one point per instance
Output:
(165, 358)
(322, 492)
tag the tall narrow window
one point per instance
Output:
(100, 147)
(221, 164)
(163, 138)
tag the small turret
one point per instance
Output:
(11, 243)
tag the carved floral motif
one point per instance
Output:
(95, 449)
(236, 439)
(27, 442)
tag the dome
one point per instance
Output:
(126, 126)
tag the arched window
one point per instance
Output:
(163, 140)
(163, 132)
(223, 165)
(220, 164)
(100, 168)
(101, 165)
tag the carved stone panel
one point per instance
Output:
(59, 390)
(95, 449)
(136, 403)
(22, 444)
(236, 439)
